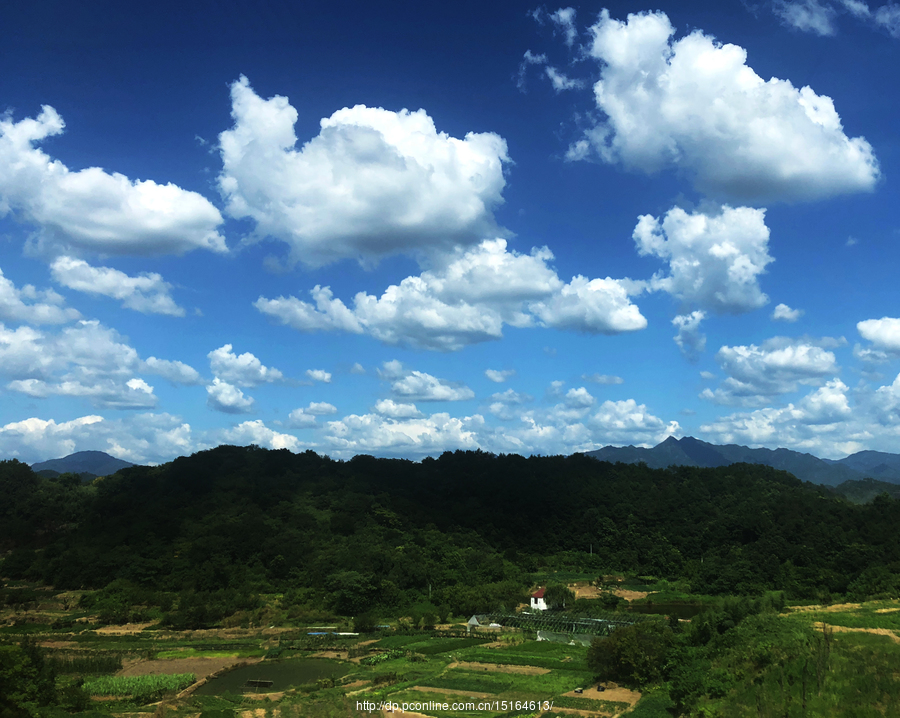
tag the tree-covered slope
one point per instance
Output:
(389, 532)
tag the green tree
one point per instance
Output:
(27, 683)
(558, 595)
(636, 655)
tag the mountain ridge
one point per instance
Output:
(689, 451)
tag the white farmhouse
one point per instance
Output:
(537, 601)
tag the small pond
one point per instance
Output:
(283, 674)
(681, 610)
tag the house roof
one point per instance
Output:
(538, 594)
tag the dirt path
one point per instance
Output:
(500, 668)
(452, 692)
(126, 629)
(874, 631)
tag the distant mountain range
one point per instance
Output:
(87, 464)
(806, 467)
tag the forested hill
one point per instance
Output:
(468, 527)
(96, 463)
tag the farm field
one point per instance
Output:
(445, 673)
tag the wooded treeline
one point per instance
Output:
(465, 530)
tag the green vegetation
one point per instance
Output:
(376, 538)
(243, 538)
(138, 685)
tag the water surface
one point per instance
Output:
(285, 674)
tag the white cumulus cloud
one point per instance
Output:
(175, 371)
(504, 405)
(424, 387)
(241, 370)
(227, 398)
(372, 183)
(141, 438)
(884, 333)
(32, 306)
(499, 376)
(467, 300)
(256, 432)
(694, 104)
(319, 375)
(776, 367)
(783, 313)
(627, 422)
(91, 209)
(147, 293)
(422, 436)
(397, 410)
(86, 360)
(714, 259)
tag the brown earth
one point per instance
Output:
(583, 589)
(886, 610)
(630, 595)
(57, 644)
(499, 668)
(612, 693)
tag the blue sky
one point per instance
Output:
(403, 230)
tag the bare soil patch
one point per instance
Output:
(825, 609)
(584, 590)
(264, 696)
(612, 693)
(200, 667)
(57, 644)
(886, 610)
(500, 668)
(630, 595)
